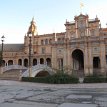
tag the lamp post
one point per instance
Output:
(30, 55)
(2, 39)
(1, 60)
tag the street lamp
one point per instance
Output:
(30, 45)
(1, 59)
(2, 40)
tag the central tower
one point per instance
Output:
(32, 28)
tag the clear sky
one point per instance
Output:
(50, 15)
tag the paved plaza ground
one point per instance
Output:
(24, 94)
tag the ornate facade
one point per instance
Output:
(81, 48)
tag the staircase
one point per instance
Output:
(11, 75)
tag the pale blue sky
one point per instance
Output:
(50, 15)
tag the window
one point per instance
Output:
(42, 42)
(59, 39)
(60, 63)
(43, 50)
(96, 62)
(46, 41)
(50, 41)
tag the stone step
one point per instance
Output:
(10, 75)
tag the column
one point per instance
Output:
(102, 57)
(38, 61)
(65, 55)
(69, 62)
(87, 34)
(22, 62)
(76, 29)
(86, 70)
(90, 60)
(54, 58)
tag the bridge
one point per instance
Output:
(15, 72)
(37, 69)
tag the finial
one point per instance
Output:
(33, 18)
(66, 20)
(100, 25)
(106, 25)
(96, 18)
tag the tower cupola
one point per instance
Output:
(32, 28)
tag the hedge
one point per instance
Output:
(54, 79)
(95, 79)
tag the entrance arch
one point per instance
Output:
(78, 62)
(42, 74)
(78, 59)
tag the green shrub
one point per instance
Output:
(94, 79)
(54, 79)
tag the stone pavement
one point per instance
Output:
(23, 94)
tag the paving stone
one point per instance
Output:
(77, 105)
(22, 94)
(27, 105)
(79, 96)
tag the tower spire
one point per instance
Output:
(32, 28)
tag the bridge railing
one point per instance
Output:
(37, 68)
(6, 68)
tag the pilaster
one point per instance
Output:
(54, 57)
(90, 60)
(102, 57)
(86, 59)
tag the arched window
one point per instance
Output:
(20, 62)
(41, 61)
(10, 62)
(34, 62)
(26, 62)
(48, 62)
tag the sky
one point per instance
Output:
(49, 15)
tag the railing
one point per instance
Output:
(6, 68)
(38, 68)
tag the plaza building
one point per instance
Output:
(81, 49)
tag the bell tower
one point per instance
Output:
(32, 28)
